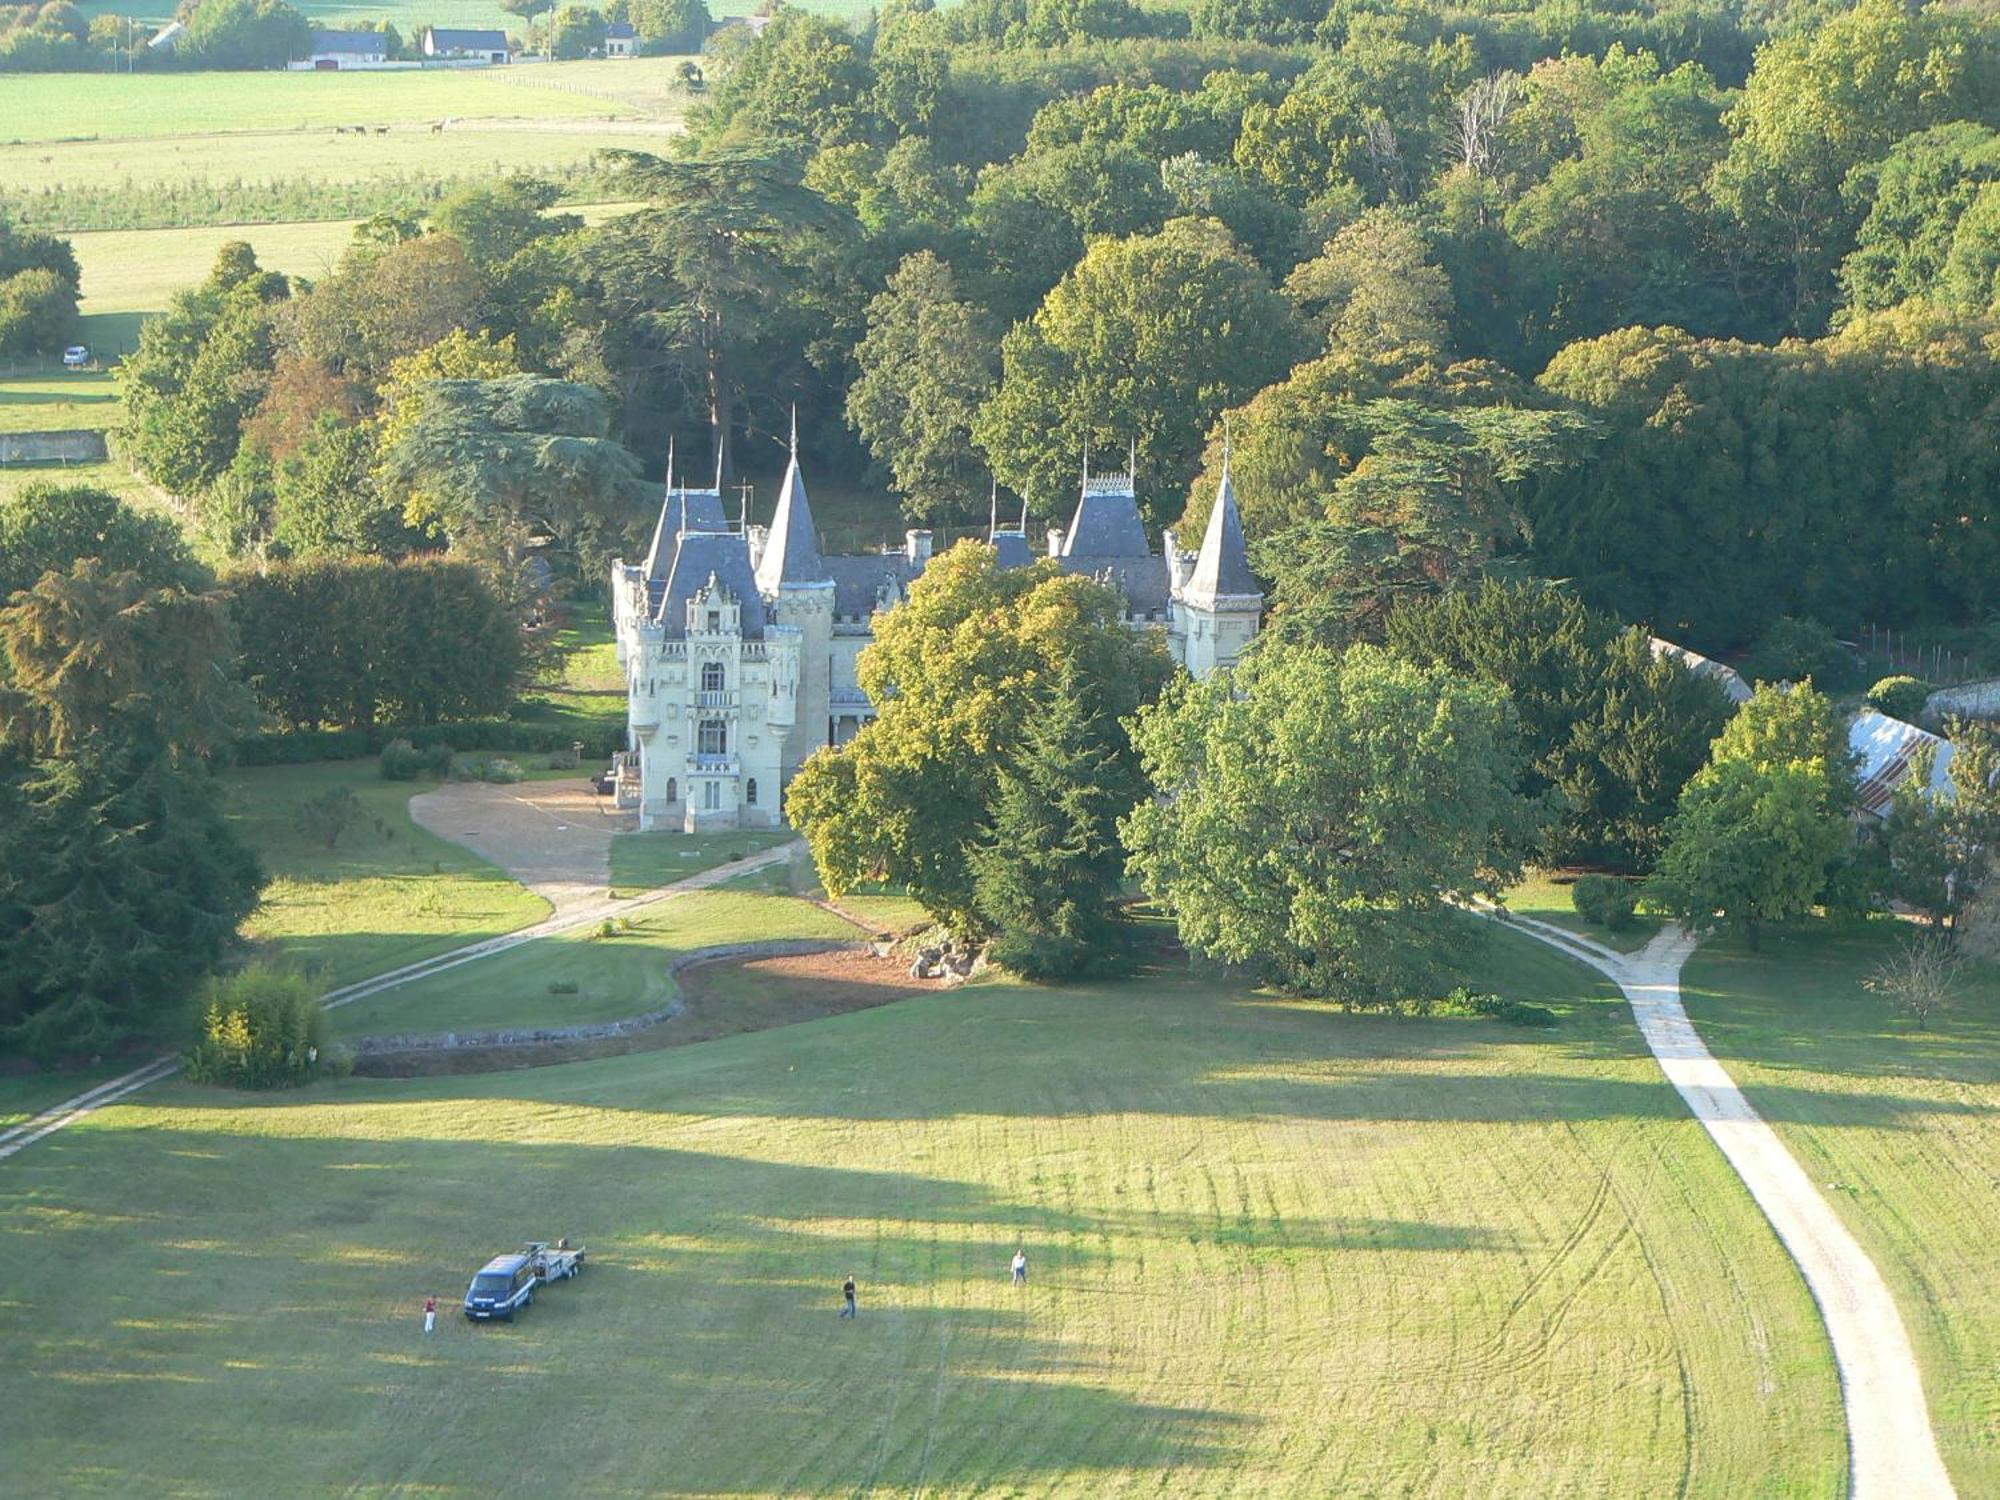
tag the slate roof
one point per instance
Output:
(791, 549)
(1142, 580)
(857, 578)
(723, 554)
(681, 510)
(1013, 548)
(458, 39)
(350, 43)
(1222, 568)
(620, 31)
(1106, 523)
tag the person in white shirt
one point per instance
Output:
(1020, 1268)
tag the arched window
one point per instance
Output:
(750, 792)
(714, 738)
(711, 677)
(673, 791)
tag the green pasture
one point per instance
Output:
(388, 894)
(1274, 1249)
(1900, 1127)
(60, 400)
(624, 974)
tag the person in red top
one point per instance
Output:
(430, 1314)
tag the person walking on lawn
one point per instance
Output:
(847, 1295)
(1020, 1268)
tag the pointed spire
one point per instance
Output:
(1024, 515)
(993, 511)
(1132, 459)
(742, 509)
(1222, 568)
(718, 465)
(670, 464)
(791, 549)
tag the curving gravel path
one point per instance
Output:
(1892, 1452)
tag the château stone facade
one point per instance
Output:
(739, 643)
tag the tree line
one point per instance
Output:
(1319, 813)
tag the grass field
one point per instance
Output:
(615, 977)
(1274, 1250)
(1903, 1129)
(389, 894)
(79, 398)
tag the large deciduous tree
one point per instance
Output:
(1317, 813)
(1146, 341)
(960, 671)
(1761, 829)
(926, 365)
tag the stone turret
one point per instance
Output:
(1217, 603)
(795, 582)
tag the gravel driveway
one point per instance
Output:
(1892, 1452)
(552, 836)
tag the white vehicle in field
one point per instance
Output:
(76, 357)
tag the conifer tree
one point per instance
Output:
(1046, 875)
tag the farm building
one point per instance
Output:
(1725, 677)
(451, 44)
(1884, 750)
(335, 50)
(621, 40)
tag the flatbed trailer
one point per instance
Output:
(557, 1262)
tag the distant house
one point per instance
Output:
(621, 40)
(1727, 678)
(1885, 748)
(334, 50)
(453, 45)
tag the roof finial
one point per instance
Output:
(670, 463)
(993, 511)
(795, 430)
(1024, 515)
(721, 443)
(1225, 443)
(1132, 459)
(743, 509)
(1086, 458)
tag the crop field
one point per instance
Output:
(1901, 1127)
(1273, 1249)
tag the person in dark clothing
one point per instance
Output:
(847, 1292)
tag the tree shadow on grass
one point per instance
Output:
(285, 1272)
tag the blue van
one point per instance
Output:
(504, 1285)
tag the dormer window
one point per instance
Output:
(711, 672)
(715, 619)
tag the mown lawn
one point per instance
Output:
(1274, 1250)
(388, 894)
(1902, 1129)
(624, 974)
(646, 861)
(58, 401)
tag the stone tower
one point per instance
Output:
(799, 590)
(1218, 605)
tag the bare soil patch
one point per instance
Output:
(552, 836)
(717, 1000)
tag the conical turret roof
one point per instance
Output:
(1222, 568)
(791, 550)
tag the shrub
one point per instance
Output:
(1464, 1002)
(563, 760)
(260, 1028)
(1900, 697)
(494, 768)
(1047, 957)
(326, 817)
(1605, 901)
(1793, 650)
(402, 761)
(563, 987)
